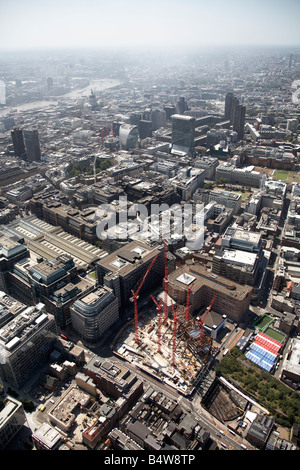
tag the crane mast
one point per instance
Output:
(174, 334)
(159, 307)
(135, 296)
(166, 280)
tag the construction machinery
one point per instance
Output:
(159, 308)
(188, 298)
(135, 296)
(201, 320)
(174, 334)
(166, 280)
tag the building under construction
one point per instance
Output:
(173, 350)
(168, 343)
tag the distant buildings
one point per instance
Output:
(18, 142)
(32, 145)
(247, 176)
(269, 157)
(26, 144)
(229, 199)
(128, 136)
(208, 164)
(187, 181)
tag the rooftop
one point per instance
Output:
(22, 327)
(239, 257)
(202, 277)
(127, 258)
(243, 235)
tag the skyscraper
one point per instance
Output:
(238, 124)
(228, 105)
(183, 134)
(235, 112)
(18, 142)
(32, 145)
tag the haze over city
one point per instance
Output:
(117, 23)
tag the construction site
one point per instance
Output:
(167, 342)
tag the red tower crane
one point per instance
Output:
(174, 333)
(188, 298)
(159, 307)
(135, 296)
(166, 280)
(201, 320)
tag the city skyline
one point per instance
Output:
(167, 24)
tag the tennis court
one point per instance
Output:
(263, 322)
(276, 335)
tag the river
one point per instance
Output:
(95, 85)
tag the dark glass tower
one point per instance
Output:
(235, 112)
(32, 145)
(228, 105)
(183, 134)
(18, 142)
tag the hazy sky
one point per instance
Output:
(98, 23)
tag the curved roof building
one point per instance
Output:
(128, 135)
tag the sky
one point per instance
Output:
(38, 24)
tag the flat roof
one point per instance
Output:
(186, 279)
(240, 234)
(183, 116)
(239, 257)
(208, 279)
(126, 258)
(292, 364)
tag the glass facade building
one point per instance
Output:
(183, 134)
